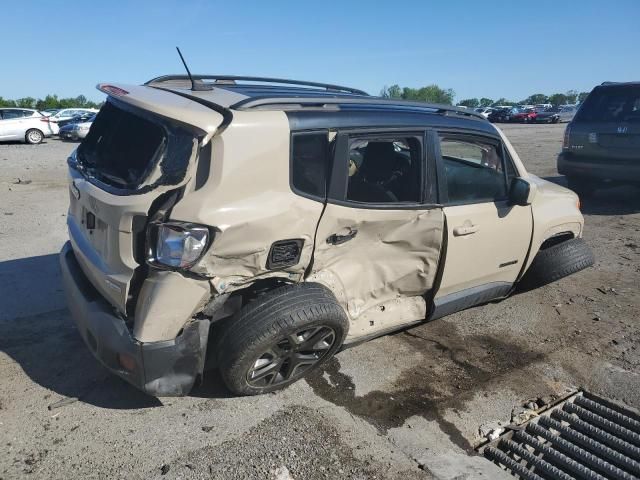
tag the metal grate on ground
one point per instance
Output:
(582, 437)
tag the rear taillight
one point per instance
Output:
(112, 90)
(44, 119)
(567, 132)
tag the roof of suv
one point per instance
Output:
(619, 84)
(259, 93)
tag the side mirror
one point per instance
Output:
(519, 192)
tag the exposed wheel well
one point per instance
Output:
(225, 305)
(556, 239)
(258, 288)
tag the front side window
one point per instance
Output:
(474, 169)
(384, 169)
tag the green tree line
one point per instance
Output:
(430, 94)
(436, 94)
(50, 101)
(570, 97)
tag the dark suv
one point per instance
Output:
(602, 143)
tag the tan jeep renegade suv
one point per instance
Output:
(260, 225)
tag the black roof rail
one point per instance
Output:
(256, 102)
(231, 80)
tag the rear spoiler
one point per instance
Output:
(207, 116)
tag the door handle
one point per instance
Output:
(336, 239)
(465, 230)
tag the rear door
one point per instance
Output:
(487, 239)
(380, 234)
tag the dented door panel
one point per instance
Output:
(394, 254)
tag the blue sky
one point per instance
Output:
(478, 48)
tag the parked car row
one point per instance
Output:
(529, 113)
(33, 126)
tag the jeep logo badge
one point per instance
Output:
(622, 129)
(75, 191)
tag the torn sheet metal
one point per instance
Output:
(387, 316)
(167, 300)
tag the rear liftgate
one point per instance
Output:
(583, 437)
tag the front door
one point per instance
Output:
(487, 239)
(379, 237)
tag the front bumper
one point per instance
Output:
(546, 119)
(67, 134)
(167, 368)
(598, 168)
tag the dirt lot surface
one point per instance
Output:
(410, 405)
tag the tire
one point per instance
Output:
(556, 262)
(584, 187)
(278, 338)
(33, 136)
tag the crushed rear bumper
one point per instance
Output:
(166, 368)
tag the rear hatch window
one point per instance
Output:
(611, 104)
(125, 145)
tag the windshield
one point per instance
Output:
(611, 104)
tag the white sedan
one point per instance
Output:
(25, 125)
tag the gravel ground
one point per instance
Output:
(409, 405)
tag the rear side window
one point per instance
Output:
(384, 170)
(309, 160)
(611, 104)
(121, 146)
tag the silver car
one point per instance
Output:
(76, 131)
(24, 125)
(567, 112)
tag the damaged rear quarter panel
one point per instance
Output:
(247, 199)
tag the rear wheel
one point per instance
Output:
(279, 337)
(34, 136)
